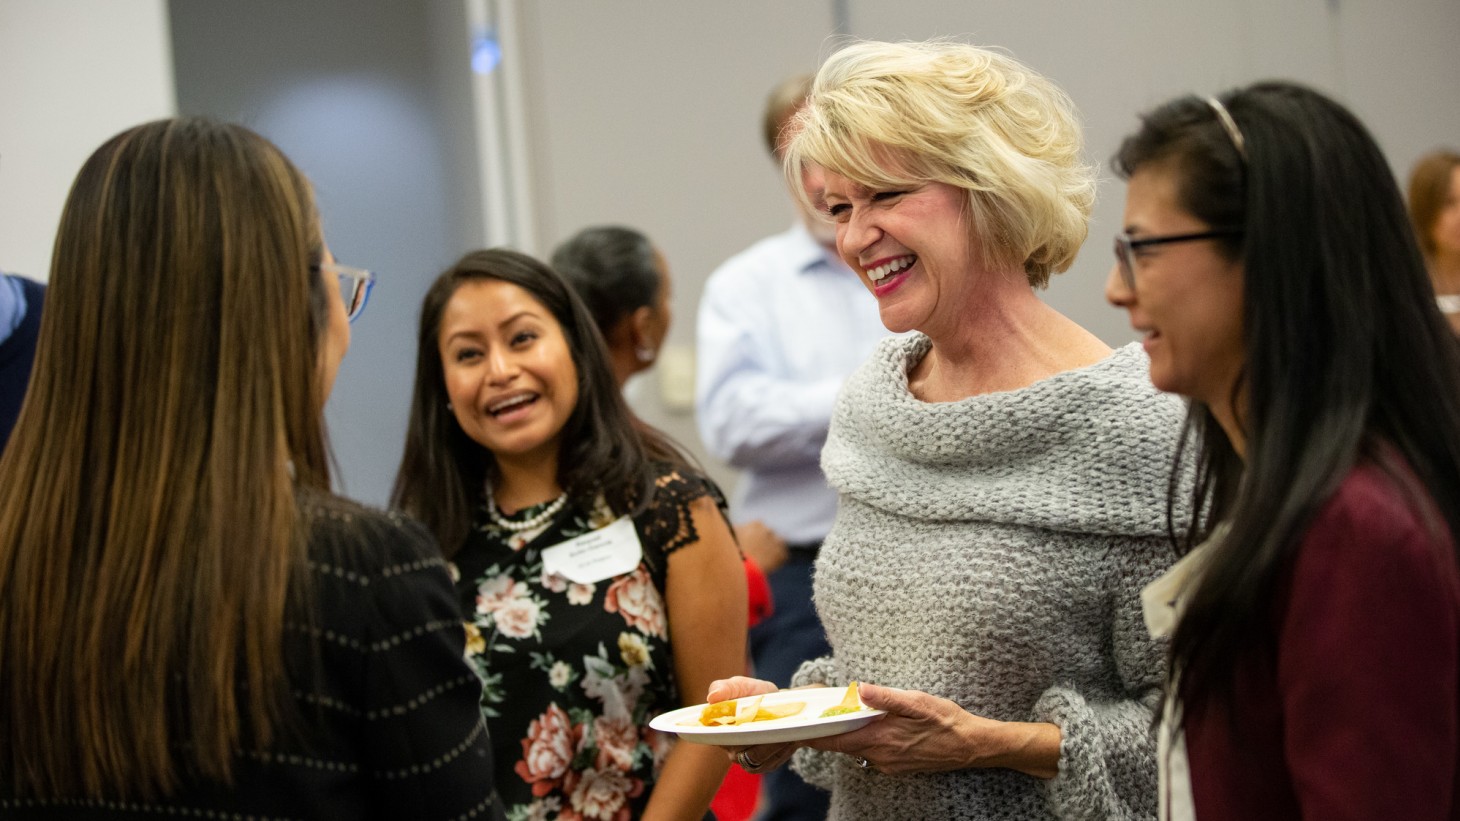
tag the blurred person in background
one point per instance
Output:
(781, 325)
(624, 281)
(597, 569)
(1002, 472)
(1315, 618)
(1434, 209)
(191, 624)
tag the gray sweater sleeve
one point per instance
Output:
(1107, 766)
(815, 766)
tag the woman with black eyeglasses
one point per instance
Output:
(1315, 618)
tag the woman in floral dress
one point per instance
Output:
(598, 574)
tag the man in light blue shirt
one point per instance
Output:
(20, 320)
(781, 326)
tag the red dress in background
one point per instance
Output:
(740, 791)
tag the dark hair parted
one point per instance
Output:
(614, 270)
(604, 449)
(1346, 353)
(151, 546)
(1429, 187)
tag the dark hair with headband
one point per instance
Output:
(1346, 354)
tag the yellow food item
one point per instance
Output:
(746, 710)
(713, 713)
(774, 711)
(850, 703)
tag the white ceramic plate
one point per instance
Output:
(685, 722)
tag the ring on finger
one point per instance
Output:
(746, 762)
(862, 762)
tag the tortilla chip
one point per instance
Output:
(850, 703)
(745, 710)
(775, 711)
(712, 713)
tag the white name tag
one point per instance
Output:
(602, 554)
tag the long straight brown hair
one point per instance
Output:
(148, 525)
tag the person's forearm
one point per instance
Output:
(755, 421)
(1029, 747)
(692, 774)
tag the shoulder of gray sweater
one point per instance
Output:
(1124, 378)
(1115, 393)
(1093, 445)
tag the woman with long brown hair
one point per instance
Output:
(600, 579)
(190, 623)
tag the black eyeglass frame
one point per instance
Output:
(1126, 245)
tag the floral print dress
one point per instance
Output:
(572, 673)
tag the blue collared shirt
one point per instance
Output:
(781, 326)
(12, 305)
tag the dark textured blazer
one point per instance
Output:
(391, 725)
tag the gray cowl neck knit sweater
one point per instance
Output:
(992, 551)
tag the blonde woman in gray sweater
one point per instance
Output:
(1002, 472)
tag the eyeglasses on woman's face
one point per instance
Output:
(1126, 247)
(355, 285)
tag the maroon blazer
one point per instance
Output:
(1356, 713)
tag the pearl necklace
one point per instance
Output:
(527, 524)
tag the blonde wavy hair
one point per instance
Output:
(890, 115)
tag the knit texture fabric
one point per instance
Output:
(992, 551)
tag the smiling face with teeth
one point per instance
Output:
(509, 372)
(913, 249)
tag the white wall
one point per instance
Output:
(72, 74)
(371, 99)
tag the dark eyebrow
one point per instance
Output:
(520, 314)
(523, 314)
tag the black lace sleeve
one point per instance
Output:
(666, 525)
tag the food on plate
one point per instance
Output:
(850, 703)
(739, 711)
(745, 710)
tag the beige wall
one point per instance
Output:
(647, 113)
(644, 112)
(1392, 61)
